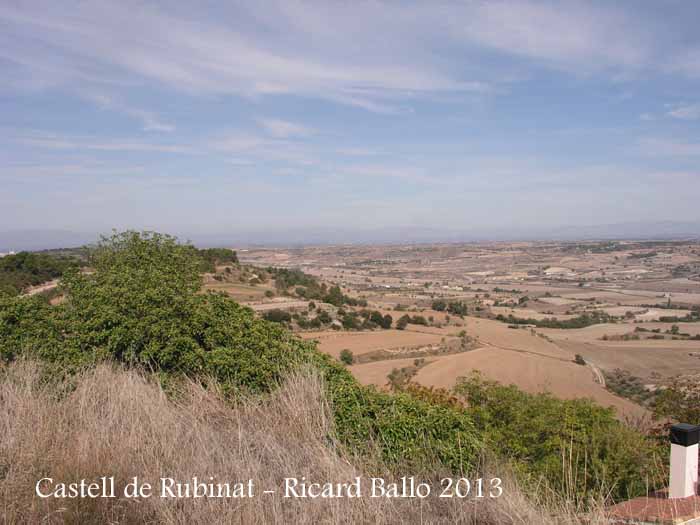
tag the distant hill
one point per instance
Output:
(38, 239)
(451, 233)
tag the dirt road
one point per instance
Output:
(42, 288)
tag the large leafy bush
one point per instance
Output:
(142, 306)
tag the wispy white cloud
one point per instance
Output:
(69, 142)
(571, 35)
(246, 148)
(149, 120)
(251, 147)
(356, 152)
(368, 104)
(284, 129)
(51, 172)
(237, 142)
(685, 112)
(218, 55)
(374, 62)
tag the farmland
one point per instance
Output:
(545, 316)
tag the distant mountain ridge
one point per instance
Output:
(39, 239)
(43, 239)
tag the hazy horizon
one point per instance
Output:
(473, 118)
(30, 239)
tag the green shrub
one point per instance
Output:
(286, 278)
(142, 307)
(419, 319)
(576, 446)
(439, 305)
(210, 257)
(24, 269)
(403, 322)
(277, 316)
(376, 319)
(346, 357)
(680, 401)
(631, 387)
(324, 317)
(350, 321)
(457, 308)
(410, 433)
(582, 321)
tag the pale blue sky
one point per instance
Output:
(193, 117)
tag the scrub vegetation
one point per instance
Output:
(135, 349)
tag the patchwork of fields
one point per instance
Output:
(580, 312)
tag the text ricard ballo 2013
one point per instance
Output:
(292, 487)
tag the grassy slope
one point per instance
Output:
(114, 422)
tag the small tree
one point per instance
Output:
(278, 316)
(335, 296)
(439, 305)
(347, 357)
(377, 318)
(457, 308)
(680, 401)
(419, 319)
(402, 322)
(350, 321)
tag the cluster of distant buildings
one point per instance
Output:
(2, 254)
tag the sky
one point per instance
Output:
(217, 117)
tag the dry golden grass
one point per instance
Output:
(333, 342)
(112, 422)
